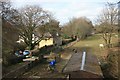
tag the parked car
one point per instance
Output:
(20, 53)
(18, 56)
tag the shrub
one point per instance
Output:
(20, 46)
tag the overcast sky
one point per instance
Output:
(63, 10)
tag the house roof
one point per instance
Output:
(47, 34)
(75, 63)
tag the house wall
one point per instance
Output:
(46, 42)
(57, 41)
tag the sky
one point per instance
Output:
(64, 10)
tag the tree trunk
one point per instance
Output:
(109, 40)
(105, 39)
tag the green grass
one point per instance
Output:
(94, 37)
(91, 45)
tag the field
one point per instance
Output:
(91, 44)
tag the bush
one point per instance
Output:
(66, 41)
(46, 49)
(7, 52)
(105, 65)
(65, 36)
(109, 65)
(9, 57)
(116, 44)
(20, 46)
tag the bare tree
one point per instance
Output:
(30, 18)
(52, 26)
(107, 21)
(80, 27)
